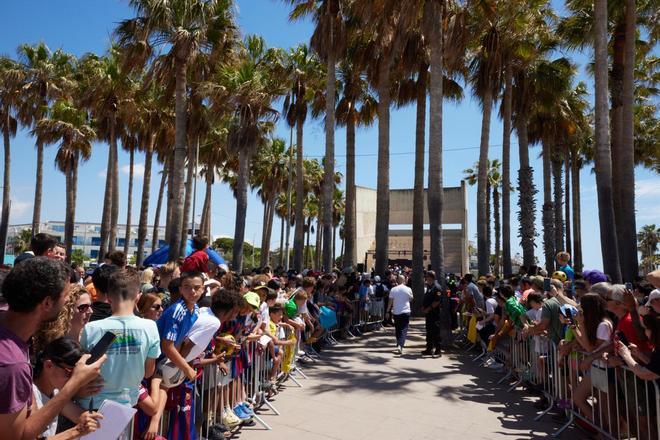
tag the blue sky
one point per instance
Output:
(86, 26)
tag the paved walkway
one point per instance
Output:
(361, 390)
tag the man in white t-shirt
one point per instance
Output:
(399, 308)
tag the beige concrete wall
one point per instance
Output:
(401, 206)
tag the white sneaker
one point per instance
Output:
(398, 349)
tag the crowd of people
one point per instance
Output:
(171, 324)
(176, 323)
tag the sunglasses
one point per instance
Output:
(67, 370)
(157, 307)
(82, 308)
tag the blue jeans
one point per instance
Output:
(401, 328)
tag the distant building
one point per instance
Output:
(87, 236)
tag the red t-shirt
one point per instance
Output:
(198, 261)
(625, 326)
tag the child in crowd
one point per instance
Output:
(132, 356)
(276, 330)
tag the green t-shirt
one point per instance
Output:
(551, 311)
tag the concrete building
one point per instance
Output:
(87, 236)
(454, 227)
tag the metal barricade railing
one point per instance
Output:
(610, 400)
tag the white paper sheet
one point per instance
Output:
(116, 418)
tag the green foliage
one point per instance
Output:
(78, 257)
(21, 242)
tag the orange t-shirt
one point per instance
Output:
(91, 290)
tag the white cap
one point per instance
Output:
(653, 295)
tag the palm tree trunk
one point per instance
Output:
(114, 212)
(107, 198)
(483, 250)
(129, 203)
(186, 222)
(159, 204)
(144, 204)
(38, 190)
(526, 195)
(176, 222)
(334, 244)
(319, 243)
(496, 205)
(329, 165)
(489, 218)
(241, 209)
(548, 211)
(418, 192)
(307, 249)
(567, 205)
(616, 126)
(205, 225)
(557, 204)
(264, 226)
(298, 232)
(577, 227)
(436, 185)
(629, 262)
(70, 209)
(506, 170)
(269, 210)
(350, 256)
(170, 197)
(281, 261)
(4, 220)
(603, 155)
(383, 177)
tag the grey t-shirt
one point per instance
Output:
(477, 296)
(550, 311)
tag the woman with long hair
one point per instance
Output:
(150, 306)
(593, 333)
(71, 320)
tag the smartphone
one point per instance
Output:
(569, 316)
(622, 337)
(629, 286)
(101, 347)
(546, 284)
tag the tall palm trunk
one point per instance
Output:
(483, 251)
(498, 228)
(489, 218)
(334, 244)
(298, 232)
(319, 243)
(144, 203)
(526, 195)
(629, 263)
(567, 205)
(281, 250)
(329, 165)
(114, 211)
(170, 197)
(107, 197)
(4, 220)
(383, 177)
(159, 204)
(558, 203)
(307, 248)
(603, 155)
(418, 192)
(548, 211)
(188, 199)
(506, 170)
(38, 190)
(69, 217)
(129, 203)
(241, 209)
(349, 258)
(436, 184)
(577, 227)
(176, 221)
(269, 211)
(205, 224)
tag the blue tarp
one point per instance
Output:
(160, 255)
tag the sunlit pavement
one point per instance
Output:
(361, 390)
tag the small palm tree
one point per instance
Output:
(70, 127)
(647, 243)
(21, 241)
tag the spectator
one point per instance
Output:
(146, 280)
(132, 356)
(167, 273)
(473, 291)
(41, 245)
(431, 310)
(101, 306)
(198, 261)
(116, 258)
(563, 261)
(150, 306)
(646, 367)
(399, 308)
(35, 291)
(52, 370)
(549, 319)
(653, 301)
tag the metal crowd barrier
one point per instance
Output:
(615, 402)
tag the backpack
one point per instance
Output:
(380, 291)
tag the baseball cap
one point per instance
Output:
(253, 299)
(653, 295)
(594, 276)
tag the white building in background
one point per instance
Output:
(87, 236)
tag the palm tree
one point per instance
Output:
(21, 241)
(603, 157)
(304, 72)
(70, 127)
(356, 107)
(486, 71)
(47, 77)
(250, 86)
(184, 29)
(648, 238)
(11, 77)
